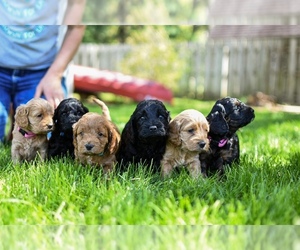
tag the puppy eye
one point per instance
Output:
(161, 117)
(191, 130)
(80, 133)
(143, 118)
(100, 134)
(39, 115)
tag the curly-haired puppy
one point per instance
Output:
(224, 147)
(96, 140)
(66, 114)
(218, 129)
(144, 136)
(187, 139)
(33, 121)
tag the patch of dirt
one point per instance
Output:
(260, 99)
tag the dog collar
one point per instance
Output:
(222, 143)
(104, 151)
(26, 134)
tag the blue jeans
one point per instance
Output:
(17, 87)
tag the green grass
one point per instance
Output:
(264, 189)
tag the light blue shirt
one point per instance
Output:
(28, 33)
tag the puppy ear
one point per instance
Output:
(217, 123)
(55, 116)
(218, 107)
(174, 133)
(21, 116)
(113, 139)
(168, 116)
(75, 127)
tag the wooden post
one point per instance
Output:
(217, 60)
(225, 65)
(292, 69)
(292, 66)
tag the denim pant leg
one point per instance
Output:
(26, 82)
(26, 86)
(4, 111)
(5, 100)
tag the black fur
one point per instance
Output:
(224, 142)
(143, 139)
(68, 112)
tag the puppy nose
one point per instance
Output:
(50, 126)
(202, 144)
(153, 128)
(89, 146)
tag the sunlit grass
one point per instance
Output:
(264, 189)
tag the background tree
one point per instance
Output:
(154, 57)
(112, 34)
(146, 12)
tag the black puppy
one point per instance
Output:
(143, 139)
(66, 114)
(218, 129)
(224, 142)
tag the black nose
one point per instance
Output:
(50, 126)
(153, 128)
(202, 144)
(89, 146)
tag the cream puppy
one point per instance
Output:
(187, 139)
(33, 121)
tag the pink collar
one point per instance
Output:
(222, 143)
(26, 134)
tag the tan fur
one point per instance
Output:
(187, 130)
(35, 116)
(105, 110)
(97, 130)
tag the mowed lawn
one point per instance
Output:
(264, 189)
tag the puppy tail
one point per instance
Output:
(105, 110)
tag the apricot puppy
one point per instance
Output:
(33, 121)
(187, 139)
(96, 140)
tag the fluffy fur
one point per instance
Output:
(96, 139)
(33, 121)
(144, 136)
(218, 129)
(187, 138)
(68, 112)
(224, 146)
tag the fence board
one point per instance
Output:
(292, 68)
(236, 68)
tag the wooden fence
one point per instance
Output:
(109, 57)
(222, 68)
(243, 67)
